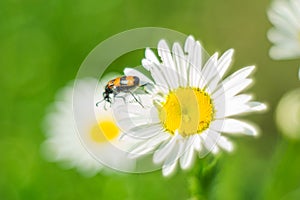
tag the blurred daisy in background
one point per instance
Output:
(95, 124)
(191, 105)
(285, 16)
(285, 35)
(288, 114)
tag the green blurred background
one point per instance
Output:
(43, 43)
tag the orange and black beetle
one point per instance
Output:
(125, 84)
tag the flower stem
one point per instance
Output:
(202, 177)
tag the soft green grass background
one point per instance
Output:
(43, 43)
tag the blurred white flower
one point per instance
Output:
(191, 105)
(288, 114)
(285, 35)
(95, 128)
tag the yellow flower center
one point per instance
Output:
(188, 110)
(104, 131)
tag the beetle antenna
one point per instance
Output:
(143, 85)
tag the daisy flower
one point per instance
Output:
(285, 16)
(191, 108)
(96, 127)
(287, 114)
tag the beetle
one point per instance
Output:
(122, 84)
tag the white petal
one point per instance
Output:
(239, 75)
(209, 139)
(128, 123)
(235, 110)
(241, 98)
(256, 106)
(194, 62)
(141, 150)
(129, 115)
(188, 49)
(224, 62)
(168, 68)
(233, 107)
(171, 161)
(279, 37)
(186, 160)
(223, 65)
(167, 170)
(281, 21)
(147, 64)
(295, 5)
(135, 110)
(161, 80)
(283, 10)
(194, 76)
(286, 51)
(193, 50)
(145, 147)
(189, 44)
(162, 153)
(231, 88)
(197, 55)
(181, 64)
(225, 144)
(209, 71)
(213, 84)
(215, 150)
(197, 143)
(145, 131)
(149, 54)
(159, 77)
(234, 126)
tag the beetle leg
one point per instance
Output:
(121, 98)
(136, 98)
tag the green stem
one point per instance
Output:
(202, 177)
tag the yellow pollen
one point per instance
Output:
(188, 110)
(104, 131)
